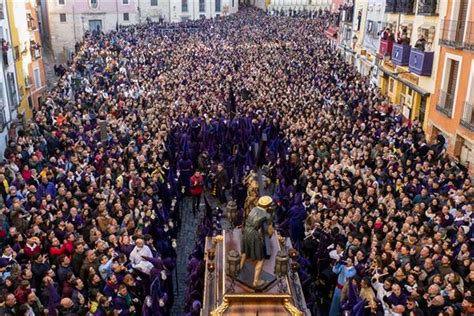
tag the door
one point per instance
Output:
(461, 21)
(95, 25)
(421, 117)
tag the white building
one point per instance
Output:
(310, 5)
(66, 21)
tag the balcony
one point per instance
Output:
(391, 6)
(469, 40)
(405, 6)
(421, 63)
(401, 54)
(386, 47)
(452, 32)
(427, 7)
(445, 103)
(467, 119)
(35, 50)
(347, 15)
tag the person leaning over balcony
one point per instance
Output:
(420, 43)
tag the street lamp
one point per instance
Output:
(231, 213)
(354, 41)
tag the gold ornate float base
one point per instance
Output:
(223, 296)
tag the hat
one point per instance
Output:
(265, 201)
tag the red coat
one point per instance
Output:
(197, 185)
(30, 252)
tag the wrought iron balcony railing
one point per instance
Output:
(445, 103)
(469, 39)
(391, 6)
(467, 119)
(427, 7)
(405, 6)
(452, 32)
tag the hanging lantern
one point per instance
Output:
(233, 263)
(231, 212)
(281, 264)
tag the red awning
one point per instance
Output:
(331, 31)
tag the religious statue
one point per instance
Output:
(252, 193)
(256, 237)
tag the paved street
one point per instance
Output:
(186, 241)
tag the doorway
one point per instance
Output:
(95, 25)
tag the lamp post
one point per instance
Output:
(231, 213)
(354, 41)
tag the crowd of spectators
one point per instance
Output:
(91, 210)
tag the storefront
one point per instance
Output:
(402, 88)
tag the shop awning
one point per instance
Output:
(331, 31)
(405, 82)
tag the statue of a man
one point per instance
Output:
(256, 237)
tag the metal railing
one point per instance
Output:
(427, 7)
(467, 119)
(452, 32)
(469, 38)
(445, 103)
(405, 6)
(391, 6)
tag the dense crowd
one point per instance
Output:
(91, 210)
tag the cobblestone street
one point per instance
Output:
(186, 241)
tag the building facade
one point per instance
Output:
(410, 52)
(9, 92)
(451, 111)
(68, 20)
(363, 35)
(309, 5)
(28, 52)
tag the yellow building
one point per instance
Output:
(23, 107)
(410, 52)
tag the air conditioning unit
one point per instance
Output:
(27, 82)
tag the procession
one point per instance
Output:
(146, 130)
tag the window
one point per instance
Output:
(233, 3)
(154, 3)
(391, 84)
(94, 4)
(468, 115)
(124, 1)
(359, 19)
(3, 119)
(62, 17)
(202, 5)
(16, 53)
(61, 2)
(30, 22)
(126, 17)
(2, 15)
(218, 5)
(184, 5)
(37, 75)
(13, 92)
(446, 95)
